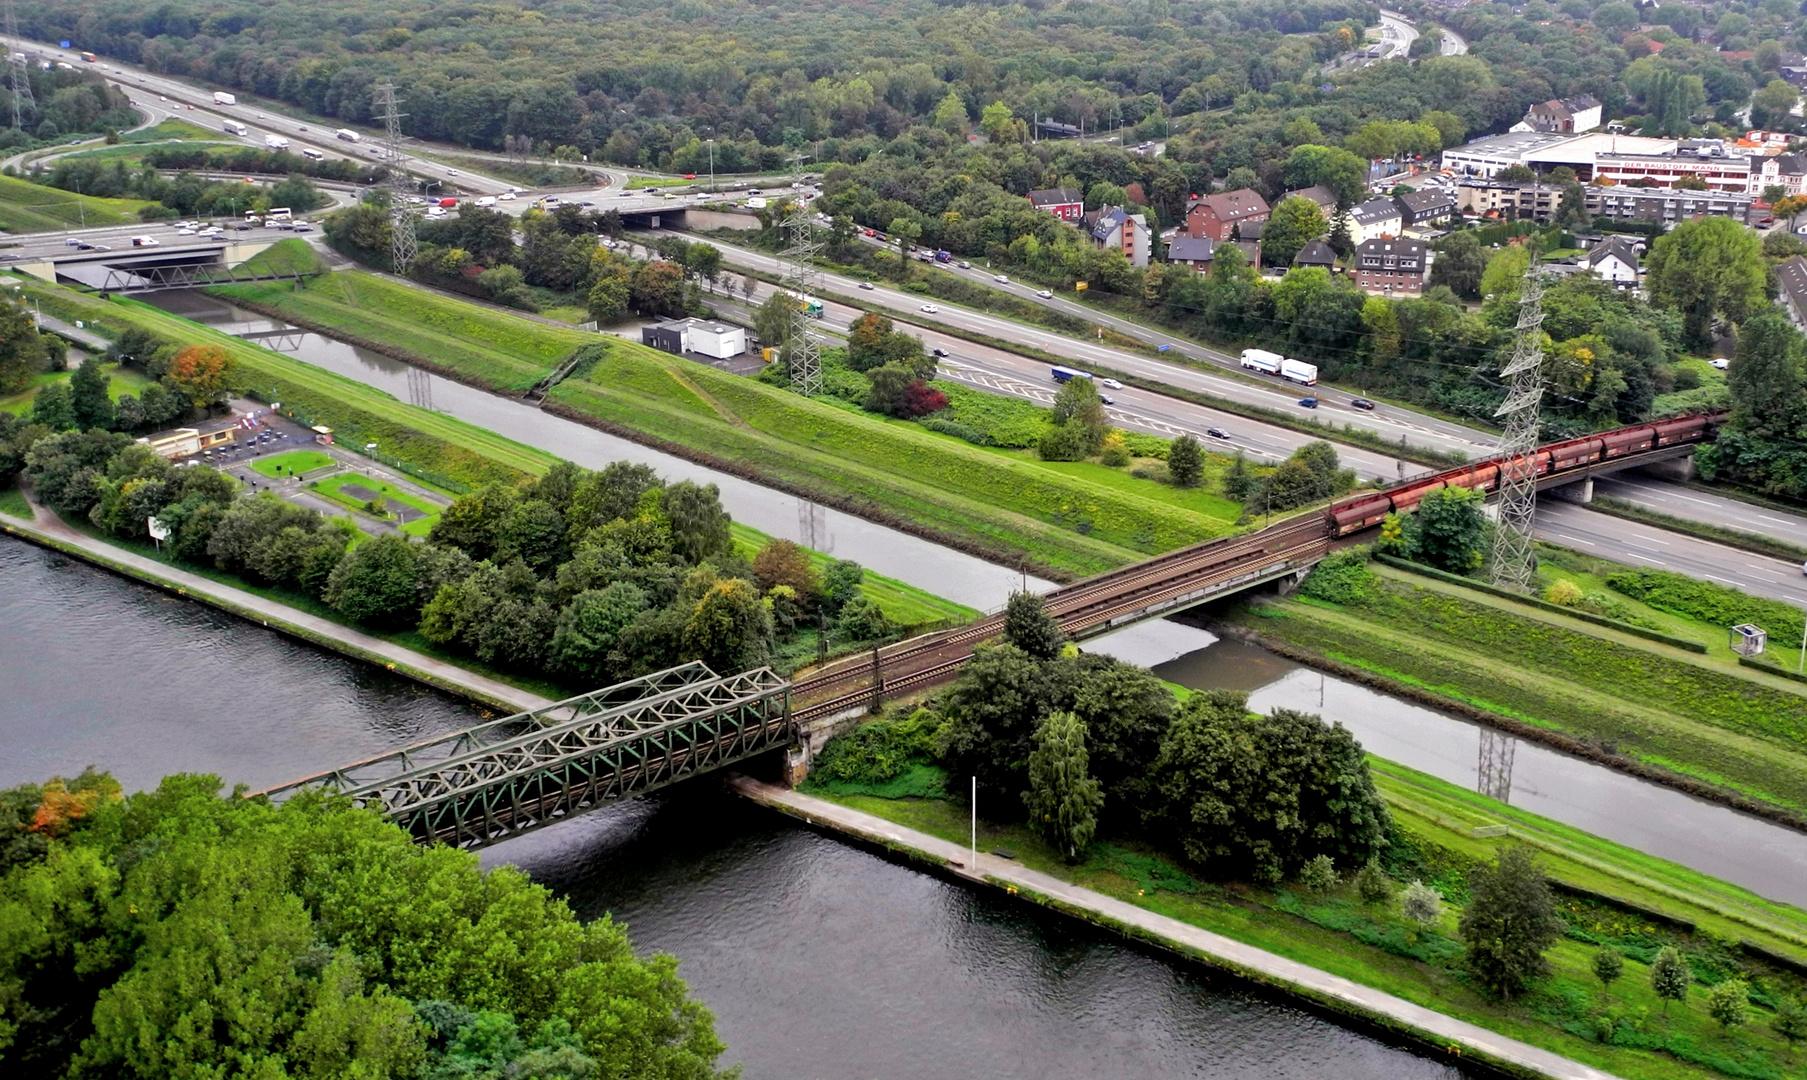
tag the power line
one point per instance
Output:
(402, 243)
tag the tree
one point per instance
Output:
(1729, 1003)
(374, 583)
(896, 391)
(1318, 874)
(1707, 268)
(1516, 173)
(1770, 106)
(1571, 210)
(21, 346)
(772, 322)
(1077, 402)
(88, 396)
(658, 288)
(906, 232)
(1509, 922)
(1029, 627)
(53, 406)
(1263, 794)
(1335, 168)
(950, 115)
(1421, 905)
(866, 338)
(1185, 463)
(782, 562)
(1372, 883)
(1790, 1021)
(1608, 965)
(1449, 531)
(700, 529)
(608, 299)
(1293, 223)
(202, 373)
(589, 628)
(840, 584)
(729, 629)
(1459, 265)
(1669, 976)
(995, 120)
(1063, 801)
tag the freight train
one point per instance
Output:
(1368, 509)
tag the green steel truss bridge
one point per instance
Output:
(484, 784)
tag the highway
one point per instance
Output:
(1693, 504)
(1334, 407)
(1589, 532)
(1451, 43)
(1397, 33)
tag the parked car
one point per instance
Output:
(1362, 403)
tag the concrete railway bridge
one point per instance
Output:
(498, 779)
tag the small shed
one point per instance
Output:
(1748, 639)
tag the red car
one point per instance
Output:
(871, 232)
(690, 176)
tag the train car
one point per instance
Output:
(1406, 498)
(1680, 429)
(1628, 441)
(1575, 453)
(1359, 512)
(1484, 476)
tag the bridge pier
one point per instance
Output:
(1286, 586)
(1581, 491)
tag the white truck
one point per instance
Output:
(233, 127)
(1299, 371)
(221, 97)
(347, 134)
(276, 142)
(1263, 361)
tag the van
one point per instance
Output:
(487, 200)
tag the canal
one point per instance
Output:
(818, 959)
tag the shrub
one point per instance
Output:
(1566, 593)
(1114, 453)
(1318, 874)
(1373, 884)
(1669, 977)
(879, 750)
(1421, 905)
(1342, 577)
(1729, 1003)
(1608, 966)
(1509, 923)
(1717, 605)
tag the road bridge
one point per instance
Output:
(484, 784)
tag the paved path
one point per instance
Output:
(87, 338)
(1257, 963)
(279, 615)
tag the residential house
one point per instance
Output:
(1193, 251)
(1115, 229)
(1565, 115)
(1793, 277)
(1787, 171)
(1316, 253)
(1375, 218)
(1614, 260)
(1317, 193)
(1064, 203)
(1214, 215)
(1393, 266)
(1426, 208)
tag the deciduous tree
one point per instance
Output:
(1707, 268)
(202, 373)
(1063, 800)
(1509, 922)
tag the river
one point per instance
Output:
(819, 959)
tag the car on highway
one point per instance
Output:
(931, 309)
(1002, 279)
(1112, 383)
(755, 191)
(80, 246)
(867, 285)
(871, 232)
(71, 242)
(690, 176)
(1217, 433)
(302, 127)
(1309, 403)
(1045, 294)
(1107, 399)
(451, 172)
(145, 241)
(938, 352)
(1361, 403)
(964, 265)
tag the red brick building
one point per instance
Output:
(1214, 216)
(1391, 266)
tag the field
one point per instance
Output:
(292, 463)
(28, 207)
(1008, 507)
(1610, 897)
(1702, 716)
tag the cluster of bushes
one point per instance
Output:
(183, 378)
(177, 932)
(182, 194)
(1716, 605)
(250, 159)
(1447, 531)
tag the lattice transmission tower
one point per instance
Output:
(1493, 766)
(1513, 556)
(402, 244)
(802, 343)
(17, 72)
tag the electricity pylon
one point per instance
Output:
(402, 243)
(18, 74)
(802, 345)
(1513, 556)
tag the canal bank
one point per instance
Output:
(1336, 995)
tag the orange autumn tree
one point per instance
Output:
(65, 802)
(203, 373)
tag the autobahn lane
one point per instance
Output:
(1333, 408)
(1694, 504)
(1589, 532)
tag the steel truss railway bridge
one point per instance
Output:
(502, 778)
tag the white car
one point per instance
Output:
(931, 309)
(1112, 383)
(1002, 279)
(867, 285)
(1044, 294)
(1721, 363)
(506, 196)
(185, 232)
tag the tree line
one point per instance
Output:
(182, 194)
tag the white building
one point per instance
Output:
(1374, 219)
(703, 337)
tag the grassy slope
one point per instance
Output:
(1008, 505)
(1321, 930)
(28, 207)
(1702, 716)
(119, 381)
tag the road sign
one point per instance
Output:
(1080, 286)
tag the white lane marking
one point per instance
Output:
(1573, 539)
(1652, 539)
(1716, 577)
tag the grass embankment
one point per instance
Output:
(120, 380)
(497, 351)
(1611, 897)
(1009, 509)
(12, 501)
(445, 452)
(291, 256)
(28, 207)
(1702, 717)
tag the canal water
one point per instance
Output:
(820, 960)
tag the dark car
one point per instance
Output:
(1309, 403)
(938, 353)
(1107, 399)
(1217, 433)
(1362, 403)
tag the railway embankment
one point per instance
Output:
(1634, 698)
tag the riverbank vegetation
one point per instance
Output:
(1700, 715)
(177, 932)
(1090, 770)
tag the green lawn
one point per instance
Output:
(292, 463)
(172, 129)
(291, 256)
(1372, 945)
(12, 501)
(28, 207)
(120, 380)
(638, 183)
(330, 487)
(1703, 716)
(498, 350)
(132, 153)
